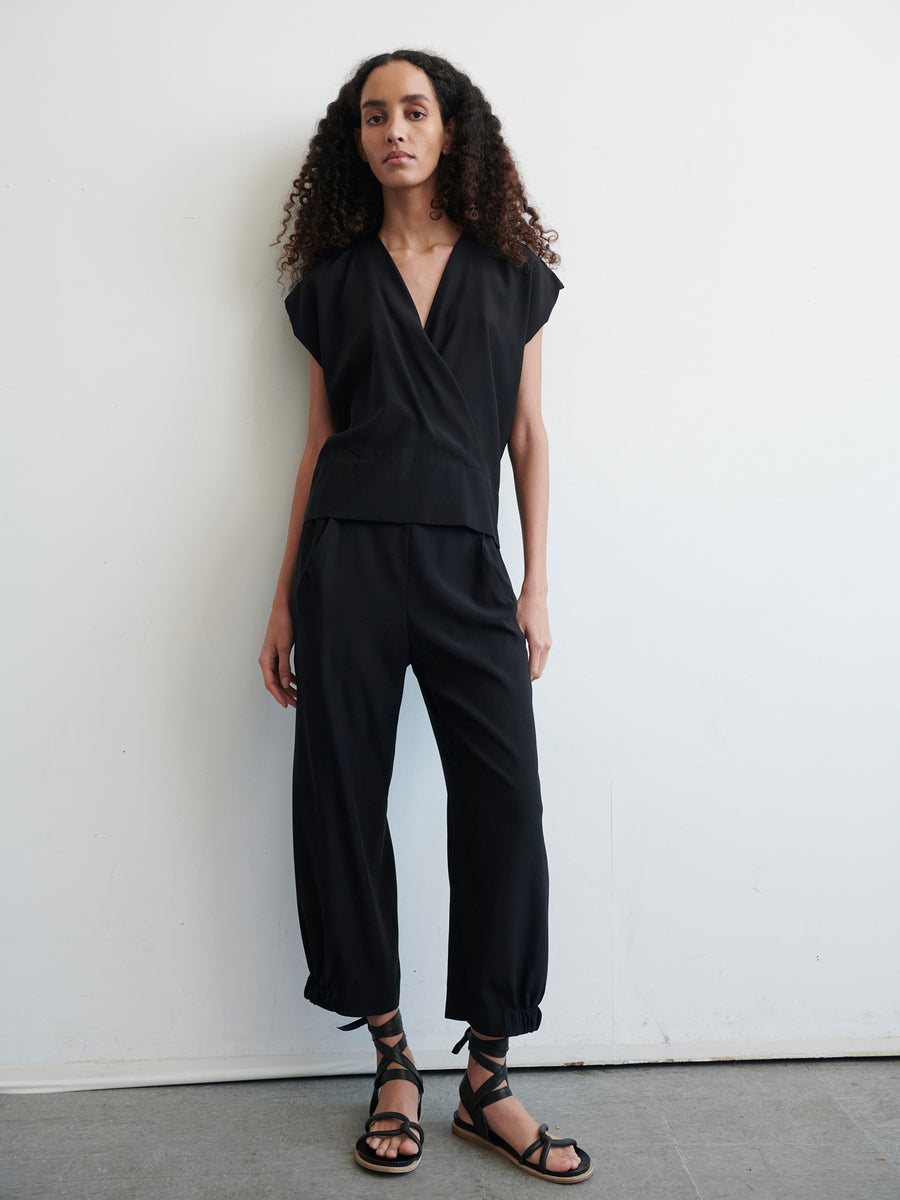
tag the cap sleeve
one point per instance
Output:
(544, 289)
(303, 310)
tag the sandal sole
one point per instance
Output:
(477, 1140)
(385, 1170)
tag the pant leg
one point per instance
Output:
(351, 654)
(470, 658)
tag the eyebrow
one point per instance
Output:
(404, 100)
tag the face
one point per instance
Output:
(402, 135)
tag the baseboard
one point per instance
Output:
(86, 1076)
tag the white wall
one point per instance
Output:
(718, 722)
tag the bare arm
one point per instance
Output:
(529, 454)
(275, 656)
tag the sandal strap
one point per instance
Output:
(393, 1063)
(544, 1139)
(411, 1129)
(489, 1092)
(353, 1025)
(389, 1029)
(497, 1047)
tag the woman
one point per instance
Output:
(420, 289)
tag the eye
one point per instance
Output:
(375, 119)
(417, 113)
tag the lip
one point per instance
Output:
(398, 156)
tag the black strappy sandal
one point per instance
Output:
(480, 1132)
(393, 1065)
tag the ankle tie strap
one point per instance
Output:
(495, 1047)
(389, 1029)
(393, 1063)
(495, 1087)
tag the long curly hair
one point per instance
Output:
(336, 199)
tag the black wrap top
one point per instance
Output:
(422, 415)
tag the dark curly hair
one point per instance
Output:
(336, 199)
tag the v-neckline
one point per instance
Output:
(438, 290)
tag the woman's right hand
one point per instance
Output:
(275, 656)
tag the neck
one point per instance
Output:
(408, 223)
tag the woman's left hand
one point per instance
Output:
(534, 621)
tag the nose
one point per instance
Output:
(393, 131)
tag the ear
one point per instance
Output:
(449, 131)
(357, 141)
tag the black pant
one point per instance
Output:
(370, 598)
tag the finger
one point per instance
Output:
(272, 684)
(284, 665)
(538, 661)
(545, 655)
(532, 651)
(267, 665)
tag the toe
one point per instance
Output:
(568, 1161)
(559, 1160)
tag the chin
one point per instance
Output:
(402, 183)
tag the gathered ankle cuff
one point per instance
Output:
(499, 1022)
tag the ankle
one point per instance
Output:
(381, 1019)
(493, 1048)
(474, 1065)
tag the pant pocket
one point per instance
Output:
(310, 539)
(491, 553)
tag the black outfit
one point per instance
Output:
(399, 564)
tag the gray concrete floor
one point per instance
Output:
(792, 1130)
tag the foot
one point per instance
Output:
(396, 1095)
(509, 1119)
